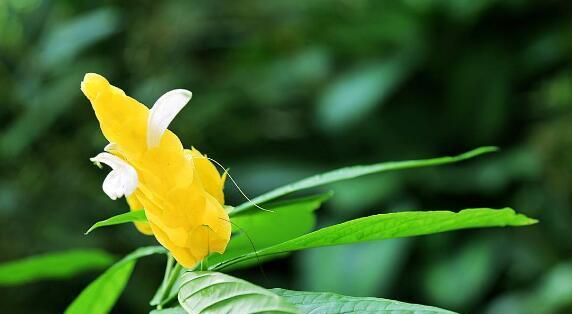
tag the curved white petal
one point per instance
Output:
(110, 147)
(122, 180)
(163, 112)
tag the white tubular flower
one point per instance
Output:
(163, 112)
(122, 180)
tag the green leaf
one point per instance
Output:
(132, 216)
(58, 265)
(394, 225)
(211, 292)
(258, 229)
(356, 171)
(331, 303)
(103, 292)
(311, 203)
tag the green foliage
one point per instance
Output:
(257, 229)
(59, 265)
(280, 228)
(100, 296)
(331, 303)
(357, 171)
(394, 225)
(132, 216)
(212, 292)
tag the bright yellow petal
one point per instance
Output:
(134, 204)
(212, 181)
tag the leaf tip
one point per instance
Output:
(526, 221)
(484, 150)
(89, 230)
(477, 152)
(521, 219)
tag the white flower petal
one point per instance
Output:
(122, 180)
(163, 112)
(110, 147)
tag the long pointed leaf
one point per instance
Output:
(132, 216)
(394, 225)
(357, 171)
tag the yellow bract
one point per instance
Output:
(134, 205)
(180, 192)
(210, 178)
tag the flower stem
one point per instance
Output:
(158, 297)
(173, 276)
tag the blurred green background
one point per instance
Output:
(285, 89)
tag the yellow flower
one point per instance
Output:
(180, 190)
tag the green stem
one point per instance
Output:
(169, 267)
(174, 275)
(204, 264)
(160, 291)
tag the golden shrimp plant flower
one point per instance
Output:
(180, 190)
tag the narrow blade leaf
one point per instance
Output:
(331, 303)
(210, 292)
(357, 171)
(394, 225)
(58, 265)
(132, 216)
(100, 295)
